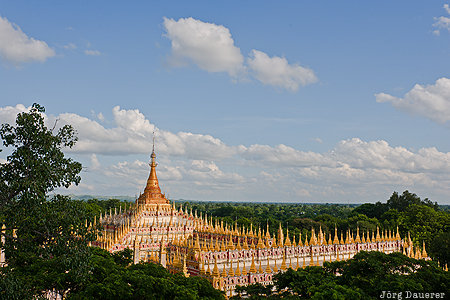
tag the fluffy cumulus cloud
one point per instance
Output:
(16, 47)
(211, 47)
(431, 101)
(208, 45)
(278, 72)
(196, 166)
(442, 22)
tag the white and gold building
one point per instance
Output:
(227, 255)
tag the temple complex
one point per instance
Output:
(227, 255)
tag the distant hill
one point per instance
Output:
(100, 197)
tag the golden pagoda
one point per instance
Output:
(152, 192)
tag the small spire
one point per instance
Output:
(358, 239)
(424, 252)
(244, 270)
(253, 266)
(275, 268)
(283, 263)
(260, 270)
(238, 270)
(224, 271)
(231, 271)
(268, 269)
(215, 271)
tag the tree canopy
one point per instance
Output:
(45, 238)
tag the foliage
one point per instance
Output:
(110, 278)
(253, 291)
(46, 238)
(364, 276)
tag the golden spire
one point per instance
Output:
(215, 271)
(231, 271)
(280, 236)
(245, 246)
(268, 269)
(275, 269)
(342, 239)
(260, 270)
(252, 266)
(313, 240)
(204, 247)
(238, 246)
(197, 244)
(185, 270)
(378, 235)
(358, 239)
(202, 269)
(230, 244)
(283, 263)
(208, 270)
(253, 245)
(152, 192)
(300, 243)
(238, 271)
(217, 247)
(244, 270)
(288, 241)
(260, 242)
(224, 271)
(424, 252)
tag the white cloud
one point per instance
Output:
(442, 22)
(95, 164)
(431, 101)
(8, 113)
(196, 166)
(211, 47)
(282, 155)
(207, 45)
(101, 117)
(16, 47)
(92, 52)
(70, 46)
(278, 72)
(132, 133)
(319, 140)
(447, 8)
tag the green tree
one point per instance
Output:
(425, 224)
(406, 199)
(110, 278)
(46, 238)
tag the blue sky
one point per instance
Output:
(302, 101)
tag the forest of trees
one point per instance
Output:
(46, 239)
